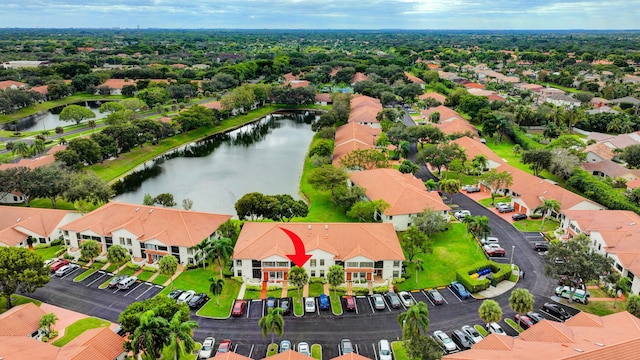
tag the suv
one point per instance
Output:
(460, 290)
(207, 348)
(579, 295)
(309, 304)
(556, 311)
(504, 207)
(540, 246)
(197, 300)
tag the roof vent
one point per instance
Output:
(632, 224)
(309, 226)
(326, 227)
(578, 350)
(600, 344)
(137, 209)
(18, 219)
(150, 211)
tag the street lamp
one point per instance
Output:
(513, 248)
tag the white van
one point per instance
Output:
(127, 282)
(384, 349)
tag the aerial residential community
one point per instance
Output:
(177, 192)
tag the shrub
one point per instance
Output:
(149, 269)
(62, 251)
(133, 266)
(380, 289)
(253, 287)
(41, 246)
(535, 216)
(398, 280)
(317, 280)
(57, 242)
(68, 257)
(500, 272)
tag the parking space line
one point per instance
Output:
(428, 298)
(375, 354)
(249, 310)
(134, 289)
(385, 303)
(71, 272)
(413, 298)
(454, 294)
(317, 302)
(357, 350)
(150, 287)
(251, 351)
(103, 274)
(548, 314)
(235, 348)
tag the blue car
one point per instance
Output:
(323, 300)
(460, 290)
(271, 303)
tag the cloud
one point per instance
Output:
(327, 14)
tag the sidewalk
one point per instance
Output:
(501, 288)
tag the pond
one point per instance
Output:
(266, 156)
(51, 119)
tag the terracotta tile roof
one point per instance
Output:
(481, 92)
(289, 355)
(118, 83)
(297, 83)
(473, 85)
(598, 100)
(230, 355)
(169, 226)
(612, 169)
(353, 136)
(602, 150)
(363, 100)
(618, 337)
(16, 223)
(364, 109)
(324, 97)
(620, 230)
(212, 105)
(260, 240)
(405, 193)
(494, 97)
(357, 77)
(474, 147)
(434, 95)
(350, 356)
(30, 163)
(633, 184)
(414, 79)
(21, 320)
(456, 126)
(25, 348)
(94, 344)
(11, 84)
(495, 342)
(290, 77)
(584, 319)
(44, 89)
(445, 113)
(532, 87)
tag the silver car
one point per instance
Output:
(303, 348)
(472, 333)
(378, 302)
(285, 345)
(206, 350)
(445, 341)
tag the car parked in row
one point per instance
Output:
(394, 300)
(350, 302)
(309, 304)
(384, 349)
(524, 321)
(285, 345)
(406, 298)
(323, 302)
(56, 265)
(460, 290)
(489, 240)
(473, 334)
(504, 207)
(206, 351)
(198, 300)
(494, 250)
(238, 307)
(540, 246)
(462, 340)
(378, 302)
(556, 311)
(461, 214)
(127, 282)
(224, 347)
(303, 348)
(519, 216)
(285, 305)
(445, 341)
(271, 303)
(472, 189)
(346, 346)
(435, 297)
(535, 317)
(495, 328)
(116, 280)
(67, 269)
(186, 296)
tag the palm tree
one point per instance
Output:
(490, 311)
(180, 336)
(272, 323)
(415, 321)
(46, 322)
(118, 255)
(216, 286)
(168, 266)
(548, 206)
(298, 277)
(220, 248)
(478, 226)
(521, 301)
(151, 335)
(481, 162)
(418, 267)
(335, 277)
(22, 149)
(431, 184)
(62, 141)
(37, 147)
(451, 187)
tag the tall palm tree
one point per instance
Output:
(220, 248)
(451, 187)
(548, 206)
(181, 336)
(216, 286)
(418, 267)
(481, 162)
(22, 149)
(151, 335)
(415, 321)
(521, 301)
(478, 226)
(272, 323)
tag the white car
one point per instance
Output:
(445, 341)
(310, 304)
(186, 296)
(378, 302)
(206, 350)
(490, 240)
(461, 214)
(66, 270)
(303, 348)
(495, 328)
(384, 349)
(472, 333)
(406, 298)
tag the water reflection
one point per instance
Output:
(266, 156)
(51, 119)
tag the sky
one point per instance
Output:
(324, 14)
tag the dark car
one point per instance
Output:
(519, 216)
(238, 308)
(535, 317)
(116, 279)
(435, 296)
(556, 311)
(394, 300)
(271, 303)
(460, 290)
(350, 303)
(461, 339)
(323, 301)
(540, 246)
(285, 305)
(524, 321)
(197, 300)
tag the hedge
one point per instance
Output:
(523, 140)
(500, 272)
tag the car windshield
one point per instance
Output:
(384, 352)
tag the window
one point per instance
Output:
(121, 241)
(352, 264)
(396, 274)
(321, 273)
(619, 267)
(282, 264)
(129, 241)
(66, 233)
(396, 263)
(238, 262)
(630, 275)
(190, 251)
(162, 248)
(366, 264)
(108, 240)
(268, 264)
(313, 273)
(321, 262)
(175, 249)
(312, 263)
(390, 217)
(239, 272)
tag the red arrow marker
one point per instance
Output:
(299, 258)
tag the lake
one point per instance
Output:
(51, 119)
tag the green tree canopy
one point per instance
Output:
(490, 311)
(21, 270)
(76, 113)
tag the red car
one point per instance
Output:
(351, 302)
(524, 321)
(58, 264)
(238, 308)
(494, 250)
(225, 346)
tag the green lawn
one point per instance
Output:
(321, 208)
(160, 279)
(316, 289)
(46, 204)
(316, 351)
(481, 329)
(487, 202)
(112, 268)
(167, 354)
(399, 353)
(452, 249)
(74, 330)
(530, 225)
(30, 110)
(48, 252)
(229, 295)
(16, 300)
(514, 325)
(600, 308)
(145, 275)
(250, 294)
(504, 149)
(336, 301)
